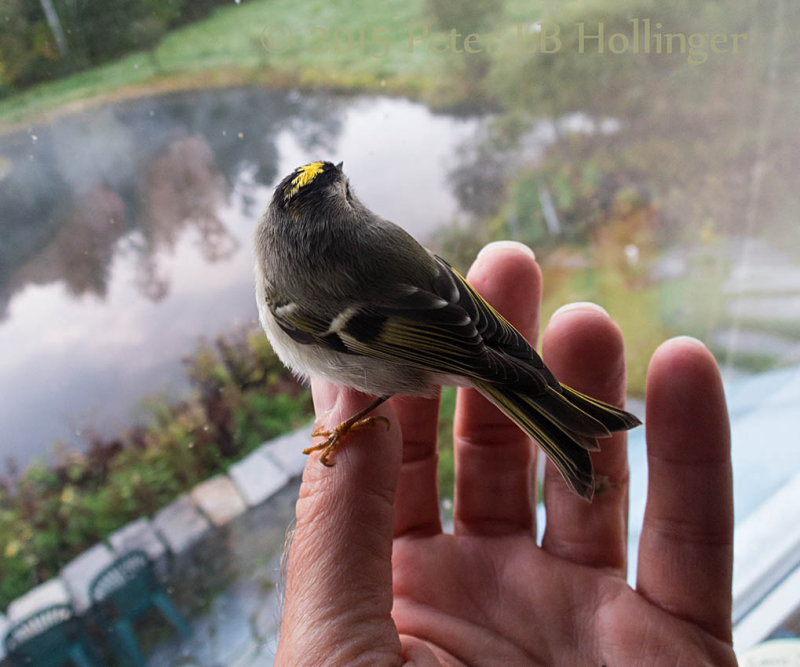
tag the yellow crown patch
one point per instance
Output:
(305, 175)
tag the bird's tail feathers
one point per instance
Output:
(566, 425)
(568, 451)
(612, 417)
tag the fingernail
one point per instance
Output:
(579, 305)
(689, 339)
(506, 245)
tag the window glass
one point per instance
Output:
(647, 151)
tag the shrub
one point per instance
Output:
(242, 396)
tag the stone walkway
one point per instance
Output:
(239, 630)
(240, 626)
(218, 547)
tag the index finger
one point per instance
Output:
(339, 577)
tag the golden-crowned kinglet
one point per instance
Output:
(348, 296)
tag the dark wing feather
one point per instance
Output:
(495, 330)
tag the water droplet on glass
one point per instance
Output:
(632, 254)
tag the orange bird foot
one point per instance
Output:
(336, 438)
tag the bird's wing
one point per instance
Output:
(448, 328)
(451, 329)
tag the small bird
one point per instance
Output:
(350, 297)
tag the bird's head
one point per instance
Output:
(311, 185)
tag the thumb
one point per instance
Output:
(339, 578)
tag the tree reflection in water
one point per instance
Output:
(181, 187)
(144, 173)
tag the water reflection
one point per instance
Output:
(154, 166)
(126, 235)
(181, 187)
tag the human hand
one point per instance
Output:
(372, 579)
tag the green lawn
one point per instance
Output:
(353, 45)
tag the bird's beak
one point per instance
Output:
(339, 166)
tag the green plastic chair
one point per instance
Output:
(51, 637)
(125, 590)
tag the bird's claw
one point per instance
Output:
(335, 438)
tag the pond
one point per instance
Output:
(126, 236)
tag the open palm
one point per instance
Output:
(373, 580)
